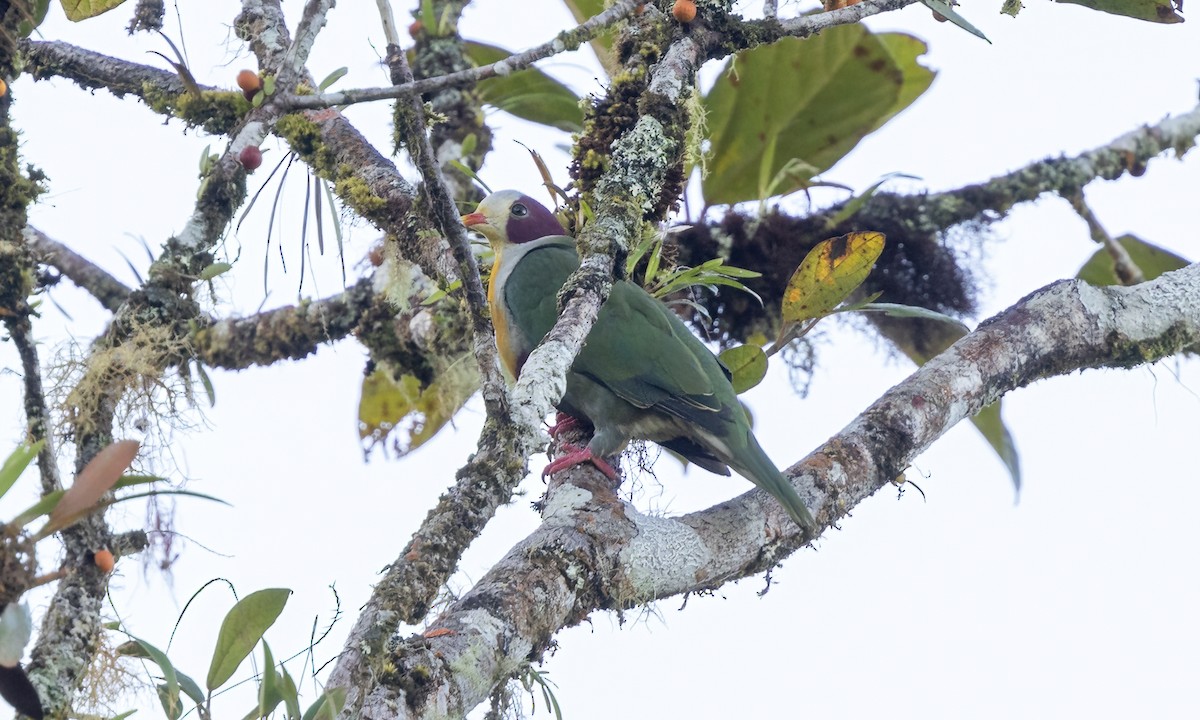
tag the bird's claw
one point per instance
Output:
(562, 423)
(578, 456)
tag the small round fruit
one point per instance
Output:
(249, 81)
(415, 29)
(684, 11)
(104, 560)
(250, 157)
(375, 255)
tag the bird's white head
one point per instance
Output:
(510, 216)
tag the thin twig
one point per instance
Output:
(441, 203)
(562, 42)
(1126, 269)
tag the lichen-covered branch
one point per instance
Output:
(287, 333)
(155, 322)
(813, 23)
(1128, 153)
(108, 291)
(619, 557)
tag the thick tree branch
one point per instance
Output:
(509, 618)
(109, 291)
(1065, 176)
(287, 333)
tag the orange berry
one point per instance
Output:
(684, 11)
(249, 81)
(415, 29)
(104, 560)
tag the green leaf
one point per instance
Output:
(990, 424)
(828, 274)
(851, 207)
(168, 692)
(332, 77)
(269, 696)
(241, 630)
(27, 25)
(747, 364)
(804, 102)
(171, 707)
(191, 688)
(943, 8)
(50, 500)
(206, 381)
(291, 698)
(215, 269)
(38, 509)
(16, 463)
(77, 10)
(910, 311)
(328, 706)
(602, 44)
(529, 94)
(1152, 260)
(1159, 11)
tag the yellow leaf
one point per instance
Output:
(420, 412)
(77, 10)
(829, 273)
(385, 402)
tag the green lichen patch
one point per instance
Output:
(215, 111)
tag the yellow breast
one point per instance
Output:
(500, 320)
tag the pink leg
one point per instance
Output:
(562, 423)
(576, 456)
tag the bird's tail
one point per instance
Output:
(758, 468)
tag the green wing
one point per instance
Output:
(646, 356)
(638, 349)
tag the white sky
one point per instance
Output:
(1078, 601)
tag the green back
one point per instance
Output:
(638, 348)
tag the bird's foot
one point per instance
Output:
(577, 456)
(562, 423)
